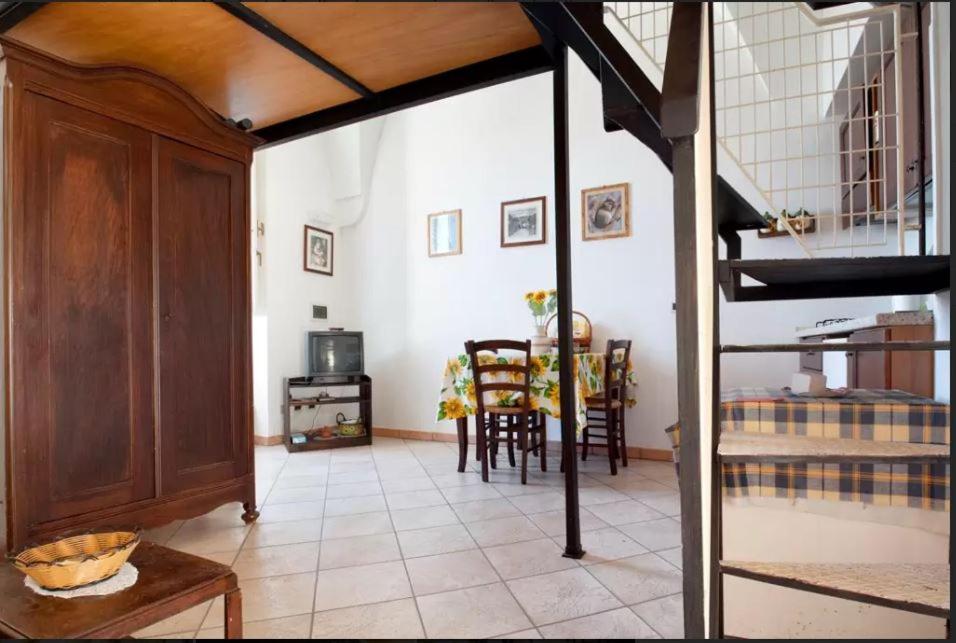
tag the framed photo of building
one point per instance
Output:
(318, 250)
(444, 233)
(524, 222)
(606, 212)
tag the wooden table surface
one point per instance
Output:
(169, 582)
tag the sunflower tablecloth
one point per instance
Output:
(458, 384)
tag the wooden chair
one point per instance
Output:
(521, 424)
(606, 413)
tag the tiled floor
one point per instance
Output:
(389, 541)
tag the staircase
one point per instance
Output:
(666, 122)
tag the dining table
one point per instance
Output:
(458, 401)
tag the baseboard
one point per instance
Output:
(640, 453)
(266, 440)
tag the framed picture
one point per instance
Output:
(606, 212)
(318, 248)
(444, 233)
(524, 222)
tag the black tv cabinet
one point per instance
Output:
(293, 403)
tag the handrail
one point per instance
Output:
(680, 92)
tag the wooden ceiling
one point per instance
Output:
(241, 72)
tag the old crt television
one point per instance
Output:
(335, 353)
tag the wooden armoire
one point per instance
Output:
(126, 301)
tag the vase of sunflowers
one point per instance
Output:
(542, 304)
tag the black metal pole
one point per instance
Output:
(562, 243)
(921, 141)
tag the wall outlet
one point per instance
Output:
(320, 312)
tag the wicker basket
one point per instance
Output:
(77, 560)
(581, 338)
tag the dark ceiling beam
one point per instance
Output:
(486, 73)
(15, 12)
(269, 30)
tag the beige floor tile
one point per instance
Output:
(607, 544)
(623, 512)
(485, 509)
(455, 479)
(353, 476)
(276, 561)
(269, 598)
(197, 538)
(413, 499)
(445, 572)
(562, 595)
(523, 634)
(187, 621)
(665, 615)
(476, 612)
(284, 533)
(515, 488)
(357, 525)
(295, 494)
(290, 511)
(350, 586)
(222, 557)
(228, 515)
(528, 558)
(554, 523)
(290, 627)
(423, 517)
(353, 489)
(160, 535)
(435, 540)
(673, 556)
(599, 495)
(668, 504)
(502, 531)
(352, 506)
(639, 578)
(663, 533)
(174, 636)
(643, 488)
(468, 493)
(299, 481)
(399, 473)
(359, 550)
(540, 502)
(392, 620)
(407, 484)
(616, 624)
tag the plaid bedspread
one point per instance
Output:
(892, 416)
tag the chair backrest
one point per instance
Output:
(615, 368)
(490, 384)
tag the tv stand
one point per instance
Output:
(295, 403)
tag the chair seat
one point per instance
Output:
(504, 410)
(598, 403)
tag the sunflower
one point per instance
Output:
(470, 391)
(554, 395)
(454, 409)
(540, 297)
(528, 296)
(537, 368)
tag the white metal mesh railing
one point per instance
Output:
(808, 109)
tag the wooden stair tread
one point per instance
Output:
(914, 587)
(738, 446)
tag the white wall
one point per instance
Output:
(472, 152)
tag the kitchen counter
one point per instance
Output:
(879, 320)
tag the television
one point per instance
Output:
(334, 353)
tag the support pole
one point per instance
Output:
(562, 243)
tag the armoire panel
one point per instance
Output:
(200, 206)
(87, 218)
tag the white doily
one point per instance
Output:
(125, 577)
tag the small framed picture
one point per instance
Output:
(606, 212)
(444, 233)
(524, 222)
(318, 250)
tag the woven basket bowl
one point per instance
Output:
(77, 560)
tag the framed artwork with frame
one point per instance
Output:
(606, 212)
(444, 233)
(524, 222)
(318, 249)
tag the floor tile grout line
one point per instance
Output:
(318, 557)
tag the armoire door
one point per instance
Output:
(203, 317)
(81, 353)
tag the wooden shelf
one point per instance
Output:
(738, 446)
(318, 401)
(363, 399)
(922, 588)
